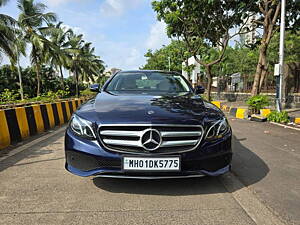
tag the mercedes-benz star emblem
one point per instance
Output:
(151, 139)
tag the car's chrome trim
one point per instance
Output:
(137, 143)
(149, 177)
(121, 133)
(122, 142)
(178, 143)
(180, 134)
(215, 124)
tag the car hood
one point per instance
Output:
(107, 108)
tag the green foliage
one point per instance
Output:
(53, 48)
(205, 97)
(258, 102)
(159, 59)
(87, 92)
(203, 25)
(8, 96)
(237, 60)
(12, 97)
(244, 60)
(204, 19)
(278, 117)
(101, 80)
(55, 95)
(9, 80)
(292, 48)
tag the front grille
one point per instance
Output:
(130, 138)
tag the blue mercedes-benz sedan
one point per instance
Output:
(148, 125)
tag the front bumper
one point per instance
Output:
(87, 158)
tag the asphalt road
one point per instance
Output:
(263, 188)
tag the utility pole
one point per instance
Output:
(169, 60)
(279, 79)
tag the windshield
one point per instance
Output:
(148, 83)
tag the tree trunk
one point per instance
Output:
(259, 70)
(77, 83)
(20, 80)
(270, 14)
(262, 78)
(62, 78)
(209, 82)
(38, 78)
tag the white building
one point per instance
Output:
(195, 73)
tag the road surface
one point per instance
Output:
(263, 187)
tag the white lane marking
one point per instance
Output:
(31, 143)
(256, 210)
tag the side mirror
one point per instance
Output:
(199, 90)
(95, 88)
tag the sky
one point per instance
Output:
(121, 30)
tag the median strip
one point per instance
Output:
(19, 123)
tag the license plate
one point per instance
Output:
(151, 164)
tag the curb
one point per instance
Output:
(240, 113)
(19, 123)
(217, 103)
(265, 112)
(295, 120)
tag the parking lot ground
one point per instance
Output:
(267, 161)
(36, 189)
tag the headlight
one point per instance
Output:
(82, 127)
(217, 130)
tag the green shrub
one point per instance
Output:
(50, 96)
(87, 92)
(9, 96)
(258, 102)
(62, 93)
(205, 97)
(278, 117)
(56, 95)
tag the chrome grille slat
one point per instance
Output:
(178, 143)
(121, 142)
(121, 133)
(127, 138)
(180, 133)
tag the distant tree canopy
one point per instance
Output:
(209, 24)
(159, 59)
(238, 59)
(244, 59)
(267, 13)
(203, 25)
(50, 81)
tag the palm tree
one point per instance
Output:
(31, 20)
(75, 62)
(19, 49)
(95, 66)
(83, 63)
(7, 35)
(11, 43)
(58, 56)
